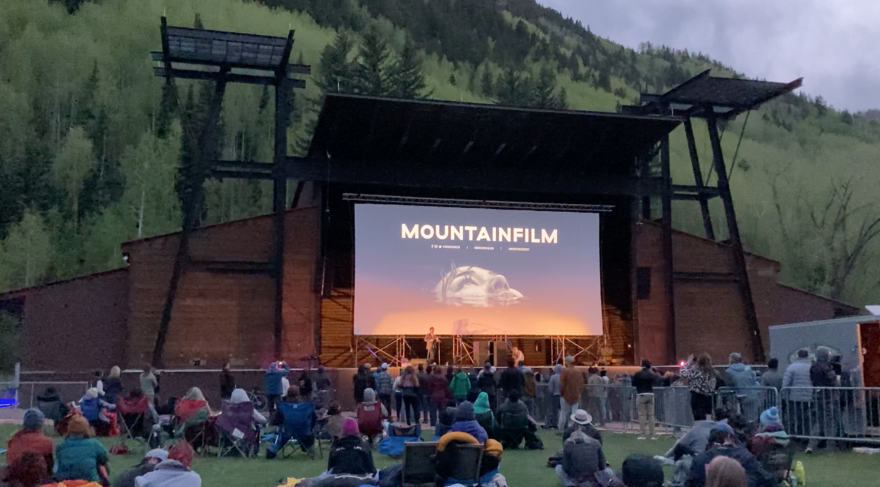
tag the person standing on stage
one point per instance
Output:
(430, 341)
(519, 357)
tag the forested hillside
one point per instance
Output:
(91, 145)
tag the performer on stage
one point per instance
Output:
(518, 356)
(430, 341)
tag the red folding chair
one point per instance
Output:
(133, 412)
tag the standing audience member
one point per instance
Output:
(529, 389)
(370, 415)
(362, 381)
(511, 380)
(384, 386)
(227, 382)
(113, 385)
(149, 382)
(487, 384)
(424, 394)
(725, 472)
(80, 457)
(460, 385)
(409, 388)
(30, 439)
(306, 386)
(273, 384)
(28, 470)
(398, 395)
(742, 377)
(174, 472)
(555, 396)
(597, 395)
(466, 422)
(644, 381)
(827, 401)
(349, 454)
(440, 395)
(147, 465)
(701, 380)
(641, 471)
(582, 460)
(797, 395)
(474, 389)
(571, 383)
(322, 380)
(772, 377)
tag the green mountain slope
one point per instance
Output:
(85, 125)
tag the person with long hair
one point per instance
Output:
(28, 470)
(80, 457)
(113, 385)
(700, 377)
(725, 472)
(409, 387)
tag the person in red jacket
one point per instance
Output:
(30, 439)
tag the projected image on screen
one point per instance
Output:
(468, 271)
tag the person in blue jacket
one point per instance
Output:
(466, 422)
(274, 373)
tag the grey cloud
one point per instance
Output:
(831, 44)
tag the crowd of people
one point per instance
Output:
(496, 409)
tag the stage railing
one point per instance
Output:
(29, 391)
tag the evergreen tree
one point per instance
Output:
(513, 88)
(406, 76)
(487, 87)
(335, 72)
(167, 104)
(373, 68)
(544, 92)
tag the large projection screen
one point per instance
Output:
(476, 271)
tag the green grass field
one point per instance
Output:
(521, 468)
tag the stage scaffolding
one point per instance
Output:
(396, 351)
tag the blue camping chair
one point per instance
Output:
(298, 429)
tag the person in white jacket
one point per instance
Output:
(173, 472)
(796, 401)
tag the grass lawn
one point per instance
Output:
(521, 468)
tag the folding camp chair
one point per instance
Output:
(236, 430)
(465, 461)
(300, 429)
(418, 464)
(133, 412)
(191, 423)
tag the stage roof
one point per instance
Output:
(387, 130)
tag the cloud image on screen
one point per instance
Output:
(475, 286)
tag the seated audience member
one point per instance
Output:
(136, 410)
(173, 472)
(696, 439)
(490, 465)
(641, 471)
(30, 439)
(335, 421)
(370, 415)
(484, 415)
(93, 407)
(147, 464)
(239, 413)
(444, 422)
(513, 421)
(582, 460)
(722, 442)
(771, 443)
(191, 412)
(50, 404)
(297, 419)
(445, 462)
(349, 454)
(80, 457)
(28, 470)
(582, 422)
(465, 422)
(725, 472)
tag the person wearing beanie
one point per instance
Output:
(147, 464)
(827, 404)
(484, 415)
(466, 422)
(444, 422)
(571, 383)
(370, 415)
(80, 457)
(641, 471)
(30, 439)
(770, 418)
(173, 472)
(771, 438)
(350, 455)
(92, 407)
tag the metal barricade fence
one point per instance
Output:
(749, 402)
(848, 414)
(672, 407)
(67, 391)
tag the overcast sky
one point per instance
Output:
(833, 44)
